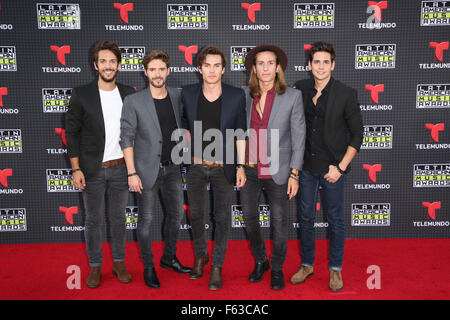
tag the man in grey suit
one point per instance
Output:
(149, 117)
(277, 131)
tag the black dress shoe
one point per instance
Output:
(150, 278)
(215, 280)
(176, 265)
(277, 280)
(258, 271)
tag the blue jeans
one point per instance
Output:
(168, 183)
(108, 187)
(332, 203)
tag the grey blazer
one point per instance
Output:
(288, 117)
(140, 128)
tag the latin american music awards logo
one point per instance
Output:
(58, 16)
(237, 55)
(431, 175)
(313, 15)
(10, 141)
(433, 96)
(132, 58)
(375, 56)
(371, 214)
(377, 137)
(56, 100)
(435, 13)
(187, 16)
(8, 58)
(13, 219)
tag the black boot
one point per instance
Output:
(258, 271)
(150, 278)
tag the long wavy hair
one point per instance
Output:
(280, 82)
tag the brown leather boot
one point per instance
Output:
(336, 282)
(93, 279)
(199, 264)
(121, 272)
(301, 275)
(215, 278)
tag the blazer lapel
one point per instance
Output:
(176, 110)
(97, 105)
(277, 102)
(150, 106)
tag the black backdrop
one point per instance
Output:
(394, 53)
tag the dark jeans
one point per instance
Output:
(333, 198)
(108, 186)
(169, 184)
(279, 209)
(198, 178)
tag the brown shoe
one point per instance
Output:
(93, 279)
(199, 264)
(121, 272)
(215, 278)
(301, 275)
(336, 283)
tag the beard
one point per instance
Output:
(155, 85)
(112, 79)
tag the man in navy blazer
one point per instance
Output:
(333, 137)
(210, 109)
(98, 166)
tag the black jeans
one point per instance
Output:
(198, 178)
(110, 184)
(279, 209)
(169, 183)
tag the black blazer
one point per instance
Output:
(232, 116)
(343, 121)
(85, 127)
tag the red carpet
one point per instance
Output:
(411, 269)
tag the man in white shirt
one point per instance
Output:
(98, 166)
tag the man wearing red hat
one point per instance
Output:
(276, 123)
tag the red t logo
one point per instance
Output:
(373, 169)
(377, 7)
(4, 174)
(124, 9)
(188, 52)
(307, 47)
(251, 9)
(62, 133)
(435, 128)
(374, 90)
(3, 92)
(439, 49)
(69, 212)
(318, 206)
(61, 53)
(432, 208)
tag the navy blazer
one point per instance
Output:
(232, 116)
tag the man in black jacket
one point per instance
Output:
(333, 138)
(98, 166)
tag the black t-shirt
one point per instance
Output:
(168, 124)
(209, 114)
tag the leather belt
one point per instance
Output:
(252, 165)
(207, 164)
(113, 163)
(165, 163)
